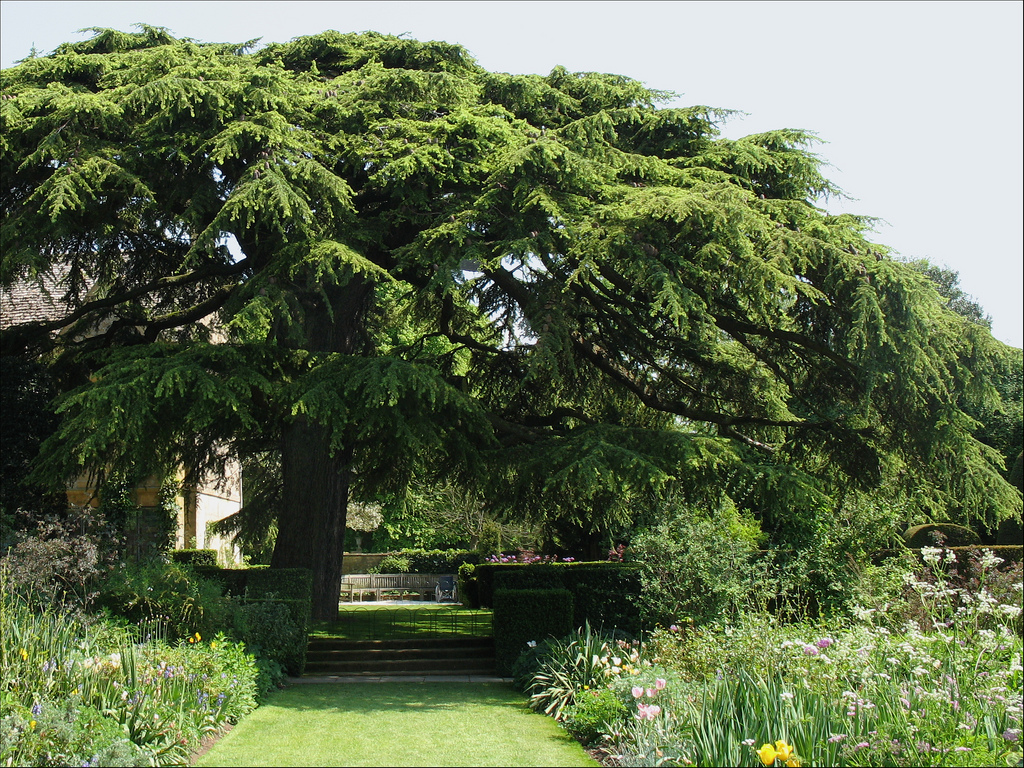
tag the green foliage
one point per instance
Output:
(292, 588)
(426, 561)
(603, 593)
(271, 634)
(200, 557)
(524, 616)
(74, 688)
(66, 560)
(696, 566)
(592, 714)
(65, 733)
(392, 563)
(172, 593)
(567, 666)
(26, 420)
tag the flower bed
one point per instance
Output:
(934, 678)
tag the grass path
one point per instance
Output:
(396, 724)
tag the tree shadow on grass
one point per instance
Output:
(395, 696)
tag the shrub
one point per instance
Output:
(592, 714)
(293, 588)
(695, 565)
(392, 563)
(268, 630)
(567, 666)
(65, 559)
(173, 593)
(65, 733)
(197, 557)
(72, 677)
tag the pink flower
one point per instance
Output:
(647, 712)
(650, 693)
(660, 683)
(637, 691)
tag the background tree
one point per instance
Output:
(545, 288)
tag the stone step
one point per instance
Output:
(444, 656)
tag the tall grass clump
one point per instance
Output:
(81, 691)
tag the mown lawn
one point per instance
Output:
(396, 724)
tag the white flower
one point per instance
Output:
(532, 643)
(989, 560)
(931, 555)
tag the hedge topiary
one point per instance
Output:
(197, 557)
(522, 616)
(952, 536)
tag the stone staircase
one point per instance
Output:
(416, 656)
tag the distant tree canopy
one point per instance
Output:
(376, 260)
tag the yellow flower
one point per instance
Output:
(31, 723)
(24, 654)
(793, 762)
(767, 754)
(198, 638)
(213, 644)
(783, 751)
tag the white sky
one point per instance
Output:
(920, 103)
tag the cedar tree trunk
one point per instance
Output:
(311, 524)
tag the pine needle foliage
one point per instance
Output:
(551, 288)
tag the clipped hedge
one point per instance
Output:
(196, 557)
(293, 587)
(604, 593)
(953, 535)
(522, 616)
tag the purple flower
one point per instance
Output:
(824, 643)
(810, 650)
(37, 709)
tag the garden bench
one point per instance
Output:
(382, 585)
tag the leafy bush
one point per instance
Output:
(173, 593)
(268, 631)
(392, 563)
(592, 714)
(203, 557)
(65, 733)
(695, 565)
(945, 690)
(65, 559)
(940, 534)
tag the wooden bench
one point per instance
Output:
(380, 586)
